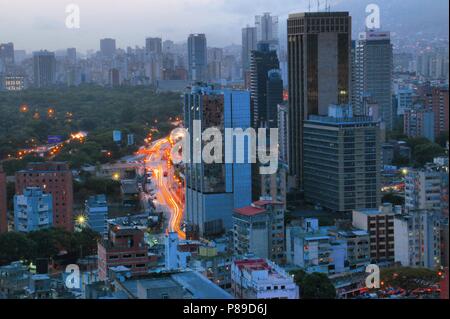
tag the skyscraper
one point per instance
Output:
(44, 68)
(54, 178)
(214, 190)
(373, 72)
(153, 45)
(274, 97)
(267, 28)
(197, 57)
(319, 46)
(3, 205)
(248, 45)
(72, 55)
(108, 47)
(263, 60)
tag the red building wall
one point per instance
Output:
(3, 205)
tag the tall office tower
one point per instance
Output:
(248, 45)
(319, 46)
(417, 239)
(283, 132)
(342, 160)
(404, 98)
(72, 55)
(33, 210)
(6, 55)
(373, 67)
(267, 28)
(214, 190)
(153, 45)
(197, 57)
(3, 203)
(263, 60)
(108, 48)
(436, 100)
(44, 68)
(274, 97)
(54, 178)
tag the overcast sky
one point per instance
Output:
(40, 24)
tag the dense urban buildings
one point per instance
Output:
(3, 203)
(319, 73)
(248, 45)
(108, 47)
(53, 178)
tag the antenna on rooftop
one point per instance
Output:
(309, 6)
(318, 5)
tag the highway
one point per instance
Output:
(158, 161)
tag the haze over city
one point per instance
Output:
(41, 24)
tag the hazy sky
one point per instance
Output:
(39, 24)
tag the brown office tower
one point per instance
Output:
(319, 51)
(54, 178)
(3, 206)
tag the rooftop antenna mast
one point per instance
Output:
(318, 5)
(309, 6)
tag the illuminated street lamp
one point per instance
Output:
(116, 176)
(404, 171)
(81, 221)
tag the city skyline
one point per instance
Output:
(221, 21)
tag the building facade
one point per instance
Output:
(33, 210)
(96, 210)
(54, 178)
(419, 122)
(44, 69)
(379, 223)
(197, 57)
(341, 156)
(214, 190)
(261, 279)
(3, 203)
(319, 72)
(259, 230)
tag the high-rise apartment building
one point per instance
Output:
(6, 56)
(153, 45)
(417, 237)
(214, 190)
(424, 188)
(108, 48)
(341, 156)
(44, 68)
(197, 57)
(319, 46)
(54, 178)
(373, 67)
(3, 203)
(419, 122)
(267, 28)
(33, 210)
(436, 100)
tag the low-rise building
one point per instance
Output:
(259, 229)
(124, 246)
(261, 279)
(379, 223)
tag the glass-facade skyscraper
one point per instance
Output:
(214, 190)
